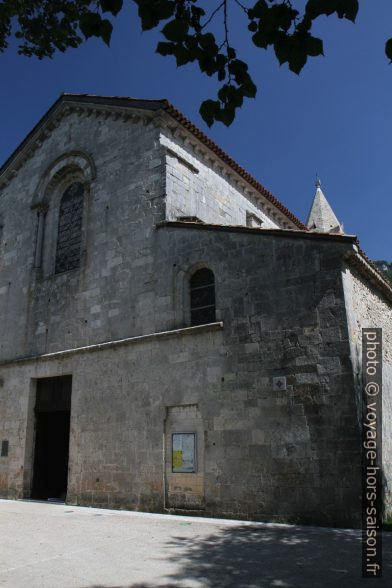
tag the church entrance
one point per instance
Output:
(52, 424)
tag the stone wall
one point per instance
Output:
(194, 188)
(268, 389)
(131, 182)
(110, 295)
(288, 452)
(367, 308)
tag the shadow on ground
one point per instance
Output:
(258, 556)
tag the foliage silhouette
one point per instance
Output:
(189, 32)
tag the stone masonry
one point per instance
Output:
(269, 389)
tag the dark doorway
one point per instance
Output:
(52, 414)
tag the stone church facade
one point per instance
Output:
(172, 337)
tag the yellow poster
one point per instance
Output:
(177, 459)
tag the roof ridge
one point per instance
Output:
(130, 98)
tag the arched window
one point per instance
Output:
(70, 228)
(202, 290)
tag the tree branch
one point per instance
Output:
(213, 14)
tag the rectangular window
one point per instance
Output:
(184, 453)
(4, 448)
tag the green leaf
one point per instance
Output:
(221, 61)
(297, 59)
(105, 31)
(344, 8)
(197, 11)
(162, 8)
(282, 48)
(225, 115)
(207, 64)
(207, 42)
(151, 13)
(236, 99)
(259, 9)
(239, 70)
(90, 24)
(315, 8)
(347, 9)
(191, 43)
(283, 15)
(252, 26)
(113, 6)
(222, 94)
(237, 65)
(314, 46)
(388, 49)
(182, 54)
(248, 89)
(164, 48)
(221, 74)
(260, 39)
(231, 96)
(208, 110)
(176, 30)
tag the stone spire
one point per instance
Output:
(321, 216)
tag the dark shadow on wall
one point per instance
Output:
(260, 556)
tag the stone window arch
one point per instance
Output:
(202, 297)
(69, 234)
(61, 201)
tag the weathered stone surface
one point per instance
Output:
(367, 309)
(285, 310)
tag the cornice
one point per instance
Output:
(105, 345)
(160, 113)
(44, 129)
(359, 260)
(197, 148)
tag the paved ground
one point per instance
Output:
(59, 546)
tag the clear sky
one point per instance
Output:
(335, 119)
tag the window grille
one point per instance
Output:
(202, 291)
(70, 228)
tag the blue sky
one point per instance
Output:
(335, 119)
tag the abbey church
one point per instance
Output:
(173, 338)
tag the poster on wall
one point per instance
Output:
(184, 452)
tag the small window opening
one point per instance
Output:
(202, 290)
(70, 228)
(4, 448)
